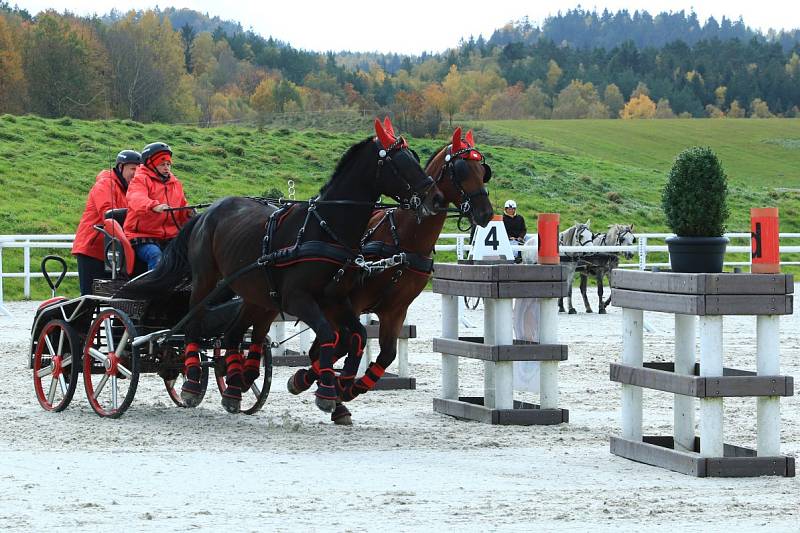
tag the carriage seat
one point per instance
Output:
(119, 256)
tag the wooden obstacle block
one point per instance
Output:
(709, 297)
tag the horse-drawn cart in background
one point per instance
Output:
(113, 341)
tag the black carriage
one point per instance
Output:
(112, 341)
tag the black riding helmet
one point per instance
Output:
(128, 157)
(154, 148)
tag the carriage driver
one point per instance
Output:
(514, 223)
(150, 225)
(108, 192)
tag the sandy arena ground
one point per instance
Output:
(401, 467)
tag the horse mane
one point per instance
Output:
(433, 155)
(343, 161)
(568, 234)
(612, 234)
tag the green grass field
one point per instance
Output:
(609, 171)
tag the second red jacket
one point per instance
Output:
(146, 191)
(107, 193)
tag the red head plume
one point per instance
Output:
(470, 139)
(386, 138)
(388, 125)
(456, 142)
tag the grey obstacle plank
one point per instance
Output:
(749, 466)
(473, 348)
(391, 381)
(666, 282)
(727, 283)
(659, 455)
(523, 414)
(482, 289)
(686, 304)
(460, 272)
(726, 386)
(662, 380)
(531, 272)
(751, 304)
(532, 289)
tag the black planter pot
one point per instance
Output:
(697, 254)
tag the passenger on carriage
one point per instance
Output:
(108, 192)
(150, 225)
(514, 223)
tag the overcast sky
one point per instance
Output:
(413, 26)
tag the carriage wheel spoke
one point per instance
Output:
(100, 385)
(60, 341)
(46, 371)
(114, 402)
(123, 342)
(51, 394)
(97, 355)
(124, 371)
(255, 390)
(66, 361)
(109, 334)
(63, 384)
(49, 345)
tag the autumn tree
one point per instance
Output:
(579, 100)
(640, 106)
(554, 74)
(536, 102)
(663, 109)
(12, 78)
(613, 99)
(736, 110)
(506, 105)
(453, 90)
(759, 109)
(66, 60)
(713, 111)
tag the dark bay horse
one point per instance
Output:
(305, 262)
(461, 176)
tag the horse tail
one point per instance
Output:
(172, 270)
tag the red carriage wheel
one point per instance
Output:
(110, 364)
(56, 363)
(253, 399)
(173, 385)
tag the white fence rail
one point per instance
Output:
(448, 242)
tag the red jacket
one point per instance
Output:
(146, 191)
(107, 193)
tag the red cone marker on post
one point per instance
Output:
(547, 226)
(764, 240)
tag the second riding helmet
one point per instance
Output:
(128, 157)
(153, 149)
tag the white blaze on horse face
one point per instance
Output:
(585, 236)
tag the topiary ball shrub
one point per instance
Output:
(695, 196)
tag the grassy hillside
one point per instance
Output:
(609, 171)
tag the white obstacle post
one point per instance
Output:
(633, 355)
(489, 337)
(548, 370)
(305, 338)
(768, 364)
(449, 362)
(277, 332)
(366, 357)
(503, 370)
(402, 354)
(683, 412)
(711, 409)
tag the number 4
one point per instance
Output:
(491, 239)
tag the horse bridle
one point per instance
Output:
(450, 165)
(417, 193)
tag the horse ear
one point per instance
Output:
(385, 139)
(470, 139)
(631, 227)
(588, 221)
(456, 141)
(388, 125)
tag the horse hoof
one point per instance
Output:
(573, 312)
(588, 310)
(231, 405)
(602, 311)
(325, 405)
(291, 387)
(190, 399)
(341, 416)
